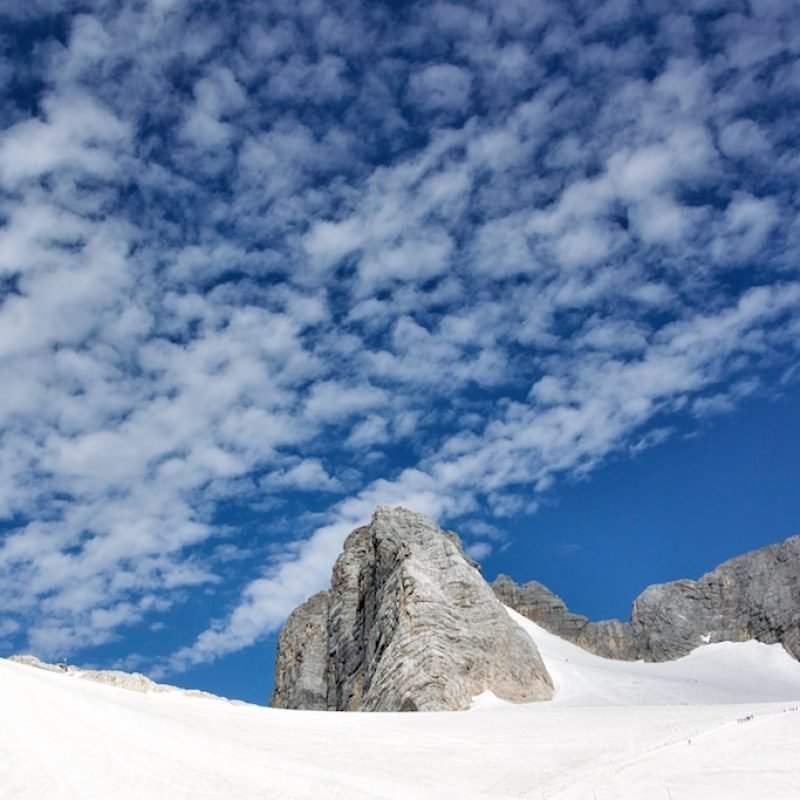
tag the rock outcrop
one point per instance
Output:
(408, 624)
(301, 664)
(753, 596)
(610, 638)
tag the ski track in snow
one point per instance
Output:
(614, 730)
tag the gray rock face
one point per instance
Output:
(754, 596)
(408, 624)
(611, 638)
(302, 659)
(536, 602)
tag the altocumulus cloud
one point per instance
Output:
(258, 257)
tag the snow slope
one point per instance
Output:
(727, 672)
(614, 730)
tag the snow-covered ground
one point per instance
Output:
(614, 730)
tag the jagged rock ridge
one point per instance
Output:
(408, 624)
(610, 638)
(753, 596)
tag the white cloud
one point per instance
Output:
(215, 96)
(308, 475)
(743, 231)
(479, 550)
(76, 133)
(583, 246)
(369, 432)
(440, 87)
(742, 138)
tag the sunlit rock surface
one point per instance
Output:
(408, 624)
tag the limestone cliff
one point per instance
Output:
(301, 665)
(408, 624)
(754, 596)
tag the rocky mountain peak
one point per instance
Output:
(408, 624)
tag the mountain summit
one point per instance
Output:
(409, 624)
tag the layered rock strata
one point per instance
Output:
(408, 624)
(753, 596)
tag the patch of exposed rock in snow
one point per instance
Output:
(133, 681)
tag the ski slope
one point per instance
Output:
(614, 730)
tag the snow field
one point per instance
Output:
(614, 730)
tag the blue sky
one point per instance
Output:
(529, 268)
